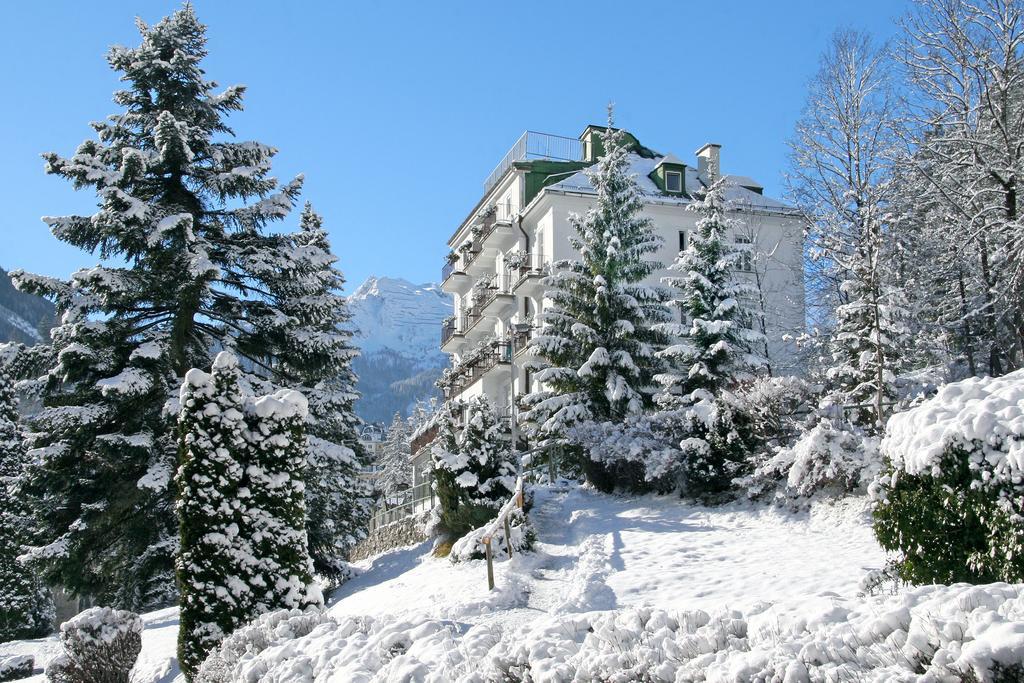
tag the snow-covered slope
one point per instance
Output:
(398, 328)
(623, 589)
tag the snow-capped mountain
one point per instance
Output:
(398, 327)
(23, 317)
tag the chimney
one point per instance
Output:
(709, 162)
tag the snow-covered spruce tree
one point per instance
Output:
(188, 266)
(712, 351)
(597, 342)
(395, 478)
(315, 355)
(26, 606)
(490, 475)
(478, 475)
(240, 507)
(446, 466)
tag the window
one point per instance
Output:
(745, 246)
(682, 240)
(673, 181)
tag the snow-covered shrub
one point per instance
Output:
(950, 498)
(471, 546)
(16, 667)
(100, 645)
(715, 444)
(639, 453)
(268, 630)
(829, 458)
(933, 633)
(777, 407)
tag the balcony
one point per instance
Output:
(533, 145)
(522, 267)
(477, 364)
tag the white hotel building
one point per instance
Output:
(501, 251)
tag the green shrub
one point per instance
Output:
(956, 523)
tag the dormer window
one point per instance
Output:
(673, 181)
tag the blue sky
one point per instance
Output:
(396, 112)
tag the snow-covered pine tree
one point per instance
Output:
(315, 355)
(188, 267)
(217, 565)
(447, 464)
(489, 477)
(275, 512)
(597, 343)
(867, 345)
(713, 349)
(241, 508)
(395, 478)
(473, 468)
(26, 606)
(715, 346)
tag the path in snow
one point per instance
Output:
(596, 551)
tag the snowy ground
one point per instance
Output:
(602, 552)
(598, 552)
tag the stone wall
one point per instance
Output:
(403, 532)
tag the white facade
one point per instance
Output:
(501, 251)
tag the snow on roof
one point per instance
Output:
(641, 168)
(670, 159)
(743, 181)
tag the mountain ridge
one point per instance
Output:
(396, 326)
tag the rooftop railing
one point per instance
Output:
(533, 145)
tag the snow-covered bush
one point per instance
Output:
(715, 443)
(16, 667)
(933, 633)
(471, 546)
(828, 458)
(100, 645)
(640, 453)
(777, 407)
(950, 498)
(268, 630)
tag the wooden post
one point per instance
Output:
(490, 563)
(508, 538)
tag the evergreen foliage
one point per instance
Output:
(961, 525)
(26, 606)
(597, 343)
(473, 469)
(240, 506)
(188, 266)
(315, 353)
(711, 353)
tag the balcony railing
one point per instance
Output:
(480, 365)
(533, 145)
(522, 266)
(448, 329)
